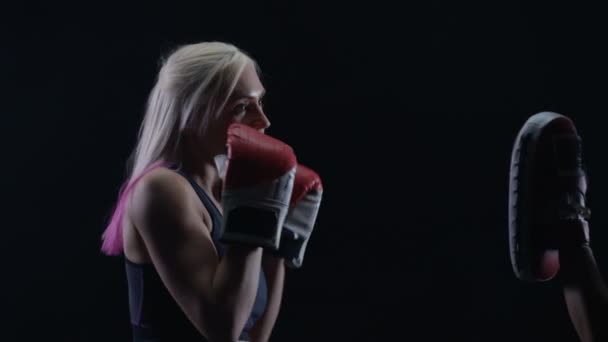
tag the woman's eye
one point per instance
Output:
(240, 108)
(261, 103)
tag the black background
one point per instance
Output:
(407, 110)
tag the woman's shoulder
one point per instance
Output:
(161, 187)
(161, 180)
(162, 207)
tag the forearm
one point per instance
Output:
(274, 269)
(585, 293)
(235, 287)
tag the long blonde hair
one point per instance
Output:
(192, 87)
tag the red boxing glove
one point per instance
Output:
(259, 179)
(300, 221)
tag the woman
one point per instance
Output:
(188, 278)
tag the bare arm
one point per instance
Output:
(217, 296)
(274, 269)
(585, 293)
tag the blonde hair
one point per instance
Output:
(192, 87)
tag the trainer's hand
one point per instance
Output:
(545, 194)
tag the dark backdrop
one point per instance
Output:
(408, 112)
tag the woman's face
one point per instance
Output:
(244, 106)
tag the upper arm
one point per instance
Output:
(177, 240)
